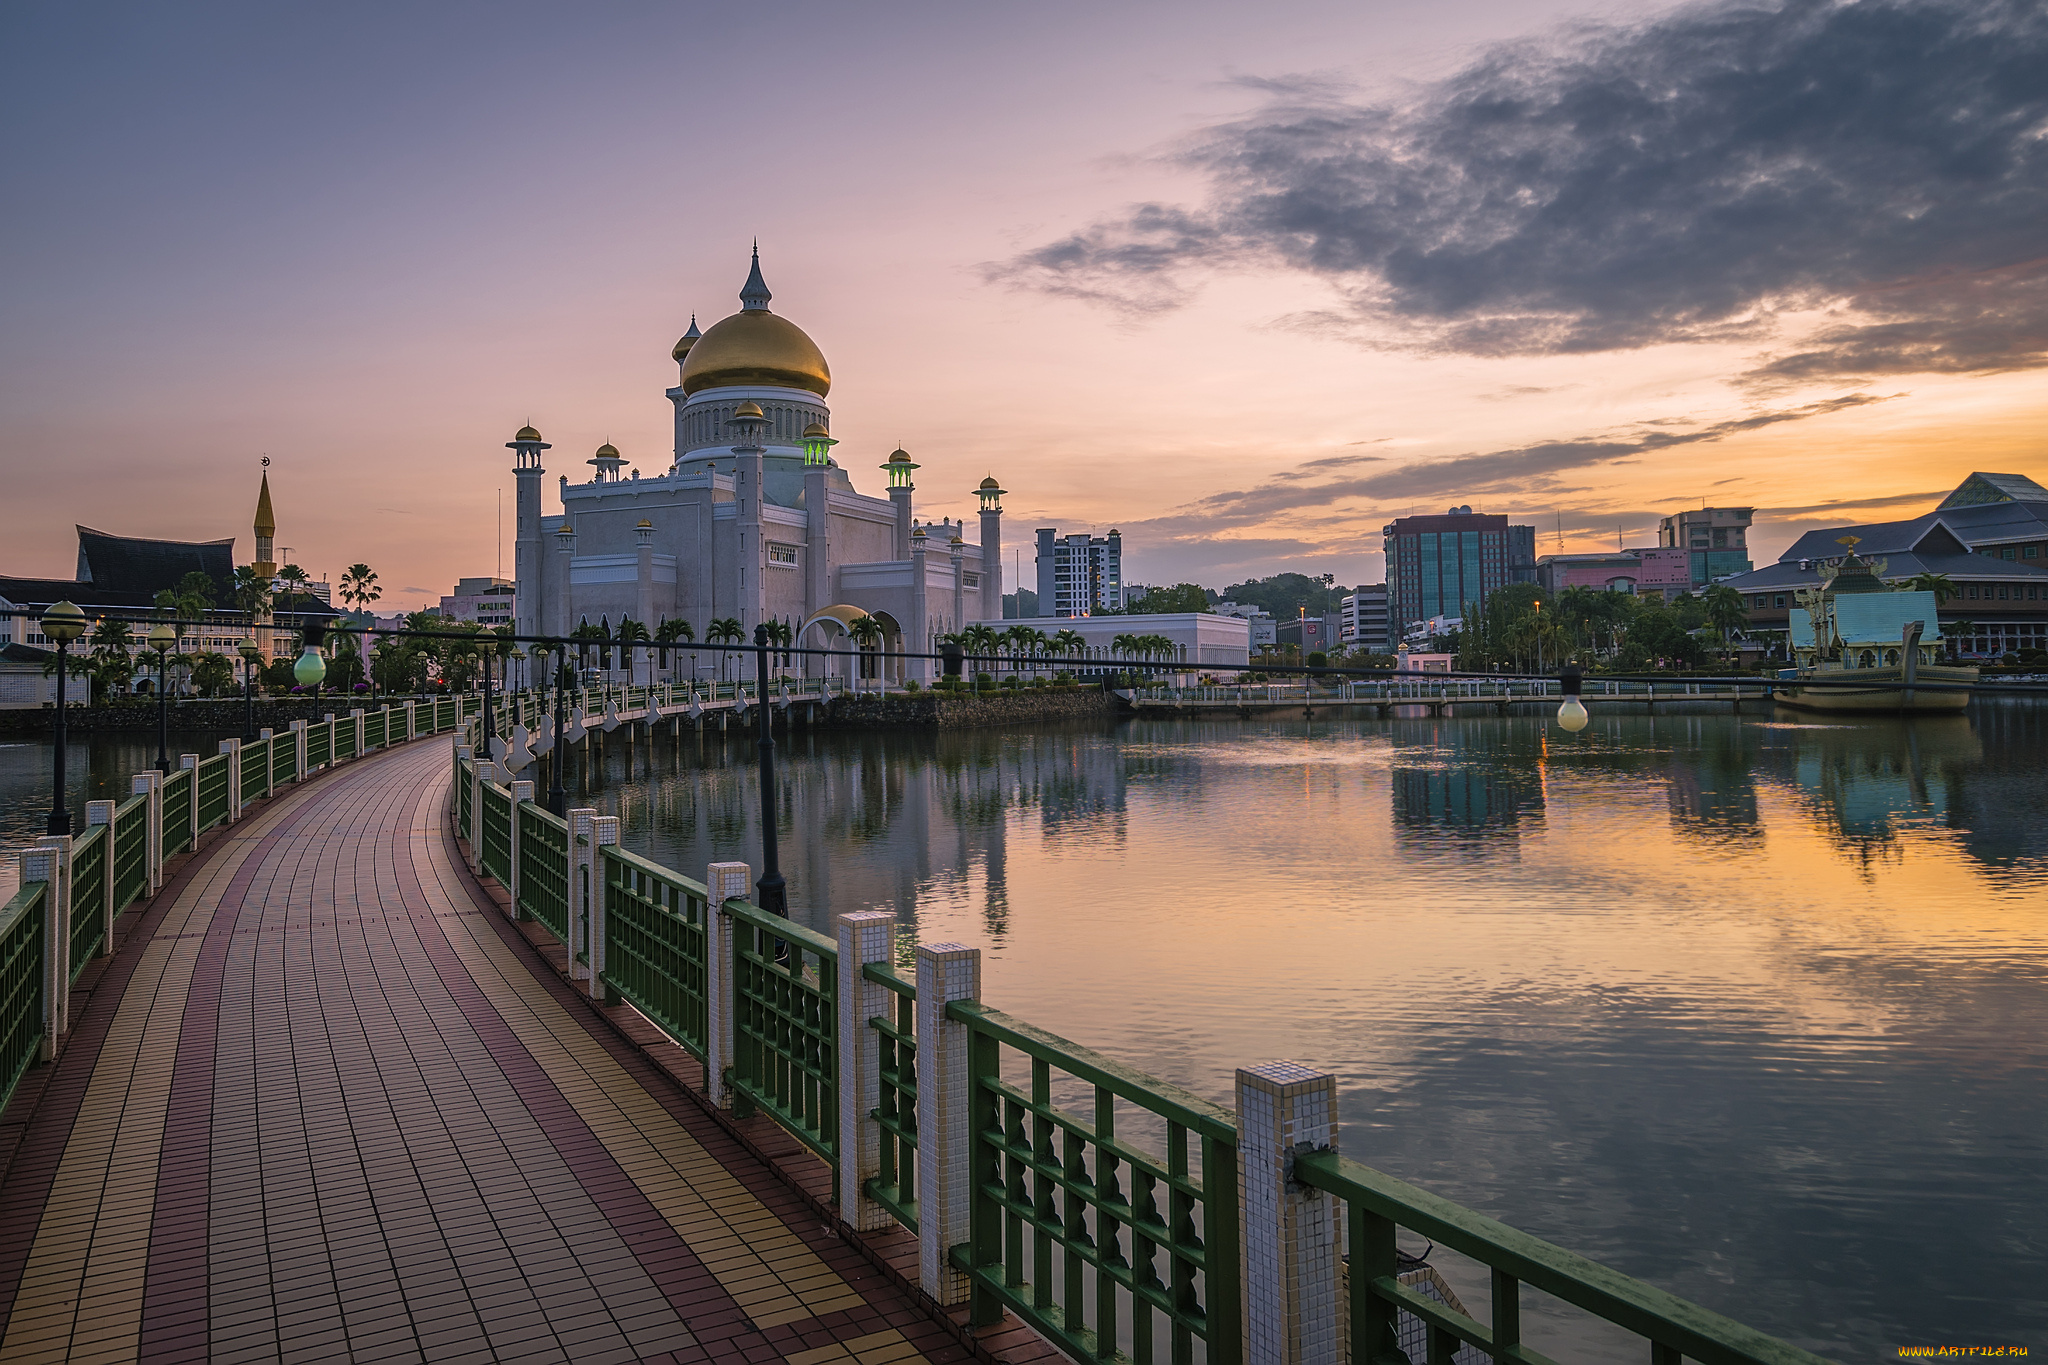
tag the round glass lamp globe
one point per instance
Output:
(1572, 715)
(310, 668)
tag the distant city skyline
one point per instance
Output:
(1247, 285)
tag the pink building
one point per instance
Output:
(1643, 573)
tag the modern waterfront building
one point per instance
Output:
(1521, 554)
(1989, 538)
(486, 601)
(1440, 565)
(1715, 539)
(1080, 574)
(1265, 631)
(1200, 637)
(754, 519)
(1651, 572)
(1366, 622)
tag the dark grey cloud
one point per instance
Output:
(1824, 510)
(1691, 178)
(1309, 469)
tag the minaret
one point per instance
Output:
(565, 557)
(917, 631)
(750, 422)
(992, 550)
(817, 518)
(899, 469)
(529, 598)
(265, 565)
(643, 549)
(958, 547)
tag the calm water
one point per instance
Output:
(1751, 1007)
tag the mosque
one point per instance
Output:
(755, 520)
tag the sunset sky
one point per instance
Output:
(1242, 281)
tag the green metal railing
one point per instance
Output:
(21, 983)
(88, 896)
(785, 1050)
(255, 770)
(496, 853)
(894, 1187)
(344, 729)
(1080, 1233)
(319, 745)
(465, 801)
(543, 869)
(376, 726)
(177, 808)
(131, 851)
(210, 783)
(655, 943)
(1378, 1204)
(284, 759)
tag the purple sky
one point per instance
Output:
(1388, 264)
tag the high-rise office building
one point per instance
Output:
(1715, 536)
(1080, 574)
(1365, 620)
(1440, 566)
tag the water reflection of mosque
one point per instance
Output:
(871, 819)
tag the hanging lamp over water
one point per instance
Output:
(311, 668)
(1572, 714)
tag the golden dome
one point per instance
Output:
(687, 340)
(990, 482)
(899, 456)
(527, 434)
(756, 347)
(748, 408)
(608, 451)
(815, 431)
(646, 523)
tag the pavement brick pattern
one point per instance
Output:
(323, 1107)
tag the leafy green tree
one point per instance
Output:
(250, 592)
(671, 633)
(1727, 611)
(631, 635)
(1181, 597)
(212, 673)
(1287, 595)
(1940, 584)
(725, 630)
(359, 586)
(866, 633)
(294, 594)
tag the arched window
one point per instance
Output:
(1868, 659)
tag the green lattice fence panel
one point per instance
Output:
(319, 745)
(785, 1022)
(21, 983)
(496, 852)
(284, 759)
(88, 896)
(1098, 1243)
(894, 1187)
(464, 799)
(1385, 1308)
(131, 851)
(376, 729)
(177, 812)
(655, 943)
(210, 780)
(344, 741)
(543, 869)
(255, 770)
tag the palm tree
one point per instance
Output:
(669, 632)
(113, 661)
(725, 630)
(359, 586)
(211, 672)
(1957, 632)
(295, 579)
(1940, 584)
(631, 635)
(1069, 642)
(1727, 610)
(866, 633)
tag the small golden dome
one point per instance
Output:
(688, 339)
(646, 523)
(527, 434)
(899, 456)
(749, 408)
(990, 482)
(608, 451)
(815, 432)
(756, 347)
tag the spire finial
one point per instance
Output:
(754, 295)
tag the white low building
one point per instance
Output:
(1199, 637)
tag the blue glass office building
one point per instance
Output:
(1438, 566)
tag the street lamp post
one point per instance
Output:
(62, 624)
(558, 800)
(487, 656)
(250, 652)
(774, 892)
(161, 638)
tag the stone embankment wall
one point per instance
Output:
(223, 715)
(937, 711)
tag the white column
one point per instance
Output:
(604, 833)
(722, 882)
(191, 761)
(269, 762)
(1287, 1232)
(409, 720)
(582, 858)
(480, 771)
(298, 751)
(102, 813)
(233, 749)
(361, 721)
(522, 792)
(151, 784)
(864, 936)
(50, 861)
(945, 972)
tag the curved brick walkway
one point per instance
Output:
(323, 1106)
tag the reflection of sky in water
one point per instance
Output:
(1752, 1008)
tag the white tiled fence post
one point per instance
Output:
(582, 858)
(604, 834)
(102, 813)
(190, 762)
(50, 861)
(522, 792)
(722, 882)
(233, 749)
(865, 936)
(361, 721)
(410, 721)
(151, 785)
(298, 750)
(480, 772)
(269, 761)
(945, 972)
(1288, 1233)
